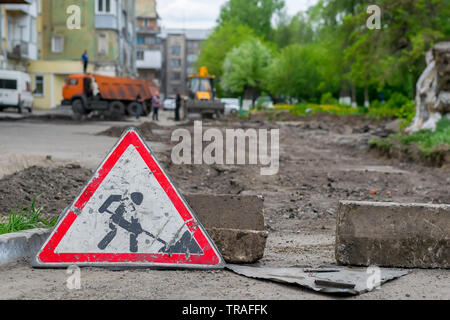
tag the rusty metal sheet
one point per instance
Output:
(332, 280)
(130, 215)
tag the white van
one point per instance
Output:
(15, 91)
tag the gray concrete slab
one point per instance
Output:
(393, 234)
(21, 245)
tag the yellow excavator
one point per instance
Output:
(202, 96)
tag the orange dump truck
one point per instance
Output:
(112, 95)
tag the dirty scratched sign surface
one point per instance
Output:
(130, 214)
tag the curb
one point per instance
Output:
(21, 245)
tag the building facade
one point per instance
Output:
(106, 31)
(18, 34)
(180, 50)
(148, 51)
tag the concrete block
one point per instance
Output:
(235, 224)
(21, 245)
(393, 235)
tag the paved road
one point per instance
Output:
(31, 142)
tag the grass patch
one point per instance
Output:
(425, 145)
(384, 145)
(308, 108)
(25, 219)
(398, 107)
(428, 140)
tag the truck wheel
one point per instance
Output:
(133, 108)
(78, 107)
(116, 110)
(147, 106)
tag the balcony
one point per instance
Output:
(149, 59)
(17, 49)
(19, 8)
(149, 29)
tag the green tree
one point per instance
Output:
(299, 71)
(392, 56)
(257, 14)
(293, 30)
(219, 43)
(245, 68)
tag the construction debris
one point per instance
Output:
(393, 235)
(333, 280)
(237, 229)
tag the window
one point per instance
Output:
(193, 45)
(57, 44)
(8, 84)
(33, 32)
(176, 50)
(175, 63)
(72, 82)
(140, 40)
(105, 6)
(140, 55)
(102, 44)
(39, 85)
(176, 76)
(192, 58)
(150, 40)
(205, 85)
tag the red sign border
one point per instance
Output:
(211, 256)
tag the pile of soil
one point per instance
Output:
(149, 130)
(394, 149)
(55, 188)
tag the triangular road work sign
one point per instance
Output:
(129, 215)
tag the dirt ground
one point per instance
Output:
(323, 159)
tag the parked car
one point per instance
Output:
(169, 104)
(231, 105)
(15, 91)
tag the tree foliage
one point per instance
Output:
(257, 14)
(224, 38)
(327, 50)
(296, 72)
(245, 68)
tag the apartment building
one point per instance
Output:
(180, 50)
(106, 31)
(18, 33)
(149, 56)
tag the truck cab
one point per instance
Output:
(77, 86)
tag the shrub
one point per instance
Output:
(327, 98)
(397, 107)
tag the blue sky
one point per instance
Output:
(203, 13)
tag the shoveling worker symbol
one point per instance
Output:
(117, 220)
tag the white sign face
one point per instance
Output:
(130, 214)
